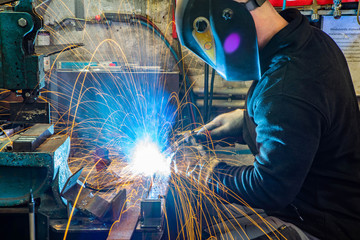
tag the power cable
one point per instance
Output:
(211, 93)
(206, 92)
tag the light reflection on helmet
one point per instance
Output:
(223, 34)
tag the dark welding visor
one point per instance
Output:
(223, 34)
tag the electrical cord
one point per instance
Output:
(180, 61)
(190, 96)
(206, 92)
(358, 13)
(211, 92)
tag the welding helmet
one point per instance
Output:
(223, 34)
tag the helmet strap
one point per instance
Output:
(253, 4)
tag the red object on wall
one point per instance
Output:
(325, 2)
(291, 3)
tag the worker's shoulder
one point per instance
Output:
(314, 64)
(294, 77)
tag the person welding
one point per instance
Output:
(301, 121)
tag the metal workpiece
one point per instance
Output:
(151, 222)
(105, 206)
(144, 218)
(33, 137)
(152, 216)
(151, 213)
(86, 200)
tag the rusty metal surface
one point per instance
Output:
(38, 112)
(124, 228)
(106, 206)
(87, 201)
(118, 204)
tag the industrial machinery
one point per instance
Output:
(36, 181)
(33, 160)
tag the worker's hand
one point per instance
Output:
(225, 125)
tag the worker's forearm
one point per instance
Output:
(288, 133)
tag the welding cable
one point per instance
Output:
(211, 92)
(190, 96)
(145, 21)
(178, 60)
(63, 22)
(206, 92)
(104, 189)
(187, 80)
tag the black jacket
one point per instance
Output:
(303, 125)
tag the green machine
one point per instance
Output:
(34, 167)
(33, 160)
(20, 67)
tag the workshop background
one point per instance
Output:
(123, 58)
(142, 47)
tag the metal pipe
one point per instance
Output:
(223, 91)
(32, 216)
(224, 103)
(211, 93)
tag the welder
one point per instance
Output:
(301, 121)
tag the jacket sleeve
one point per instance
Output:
(288, 135)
